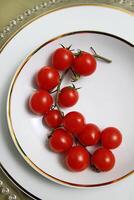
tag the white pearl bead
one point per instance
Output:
(27, 12)
(13, 23)
(12, 197)
(35, 8)
(4, 31)
(1, 36)
(43, 5)
(20, 18)
(1, 182)
(5, 190)
(7, 28)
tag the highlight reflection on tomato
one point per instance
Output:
(62, 59)
(103, 159)
(77, 159)
(40, 102)
(111, 138)
(74, 122)
(90, 135)
(68, 97)
(47, 78)
(84, 64)
(53, 119)
(60, 141)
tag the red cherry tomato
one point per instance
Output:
(90, 135)
(47, 78)
(103, 159)
(68, 97)
(53, 119)
(40, 102)
(84, 64)
(60, 141)
(74, 122)
(62, 59)
(77, 159)
(111, 138)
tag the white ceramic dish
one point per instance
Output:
(108, 94)
(24, 176)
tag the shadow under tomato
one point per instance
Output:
(27, 105)
(61, 160)
(49, 60)
(33, 82)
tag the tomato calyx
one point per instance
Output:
(75, 77)
(73, 87)
(78, 88)
(68, 48)
(78, 53)
(99, 57)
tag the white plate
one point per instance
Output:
(106, 99)
(24, 175)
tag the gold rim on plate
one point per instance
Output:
(13, 135)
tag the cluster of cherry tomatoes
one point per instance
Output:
(70, 133)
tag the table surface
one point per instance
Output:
(15, 8)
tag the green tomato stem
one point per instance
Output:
(99, 57)
(58, 91)
(102, 58)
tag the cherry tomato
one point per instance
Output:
(90, 135)
(111, 138)
(77, 159)
(53, 119)
(103, 159)
(84, 64)
(74, 122)
(60, 141)
(47, 78)
(68, 97)
(62, 59)
(40, 102)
